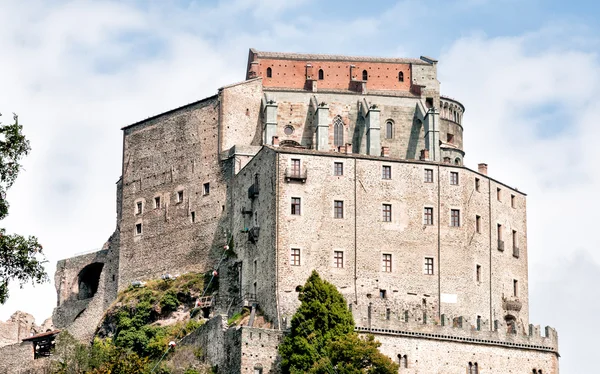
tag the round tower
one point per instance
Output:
(451, 130)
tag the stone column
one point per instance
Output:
(432, 134)
(373, 131)
(270, 117)
(322, 127)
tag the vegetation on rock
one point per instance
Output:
(136, 332)
(322, 337)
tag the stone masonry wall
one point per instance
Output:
(174, 158)
(453, 288)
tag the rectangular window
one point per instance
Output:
(515, 288)
(255, 267)
(429, 265)
(338, 168)
(428, 216)
(512, 201)
(295, 206)
(138, 229)
(193, 216)
(157, 202)
(450, 138)
(386, 172)
(383, 295)
(498, 194)
(454, 217)
(338, 209)
(477, 183)
(514, 239)
(295, 259)
(387, 212)
(206, 188)
(387, 262)
(138, 208)
(478, 273)
(179, 196)
(499, 231)
(295, 166)
(428, 176)
(338, 259)
(478, 224)
(454, 178)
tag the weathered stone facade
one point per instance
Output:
(351, 166)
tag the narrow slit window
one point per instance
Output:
(193, 216)
(138, 208)
(478, 224)
(515, 288)
(138, 229)
(478, 273)
(477, 183)
(157, 202)
(269, 72)
(206, 188)
(321, 75)
(498, 194)
(365, 75)
(400, 77)
(512, 201)
(179, 196)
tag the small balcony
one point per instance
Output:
(516, 252)
(253, 191)
(253, 234)
(501, 245)
(295, 174)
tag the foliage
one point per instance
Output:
(21, 258)
(238, 316)
(169, 302)
(322, 337)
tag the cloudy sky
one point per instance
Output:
(526, 70)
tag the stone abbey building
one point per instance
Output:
(352, 166)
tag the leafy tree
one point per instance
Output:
(322, 337)
(21, 258)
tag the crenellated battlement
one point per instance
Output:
(460, 329)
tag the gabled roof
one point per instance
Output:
(42, 335)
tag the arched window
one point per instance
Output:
(389, 130)
(321, 74)
(535, 371)
(338, 131)
(365, 75)
(457, 161)
(401, 76)
(404, 363)
(269, 72)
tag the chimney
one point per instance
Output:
(276, 141)
(482, 168)
(385, 151)
(424, 155)
(348, 148)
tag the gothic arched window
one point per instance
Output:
(401, 76)
(321, 75)
(389, 130)
(269, 72)
(365, 75)
(338, 131)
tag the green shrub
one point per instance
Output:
(169, 302)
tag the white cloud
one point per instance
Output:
(530, 116)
